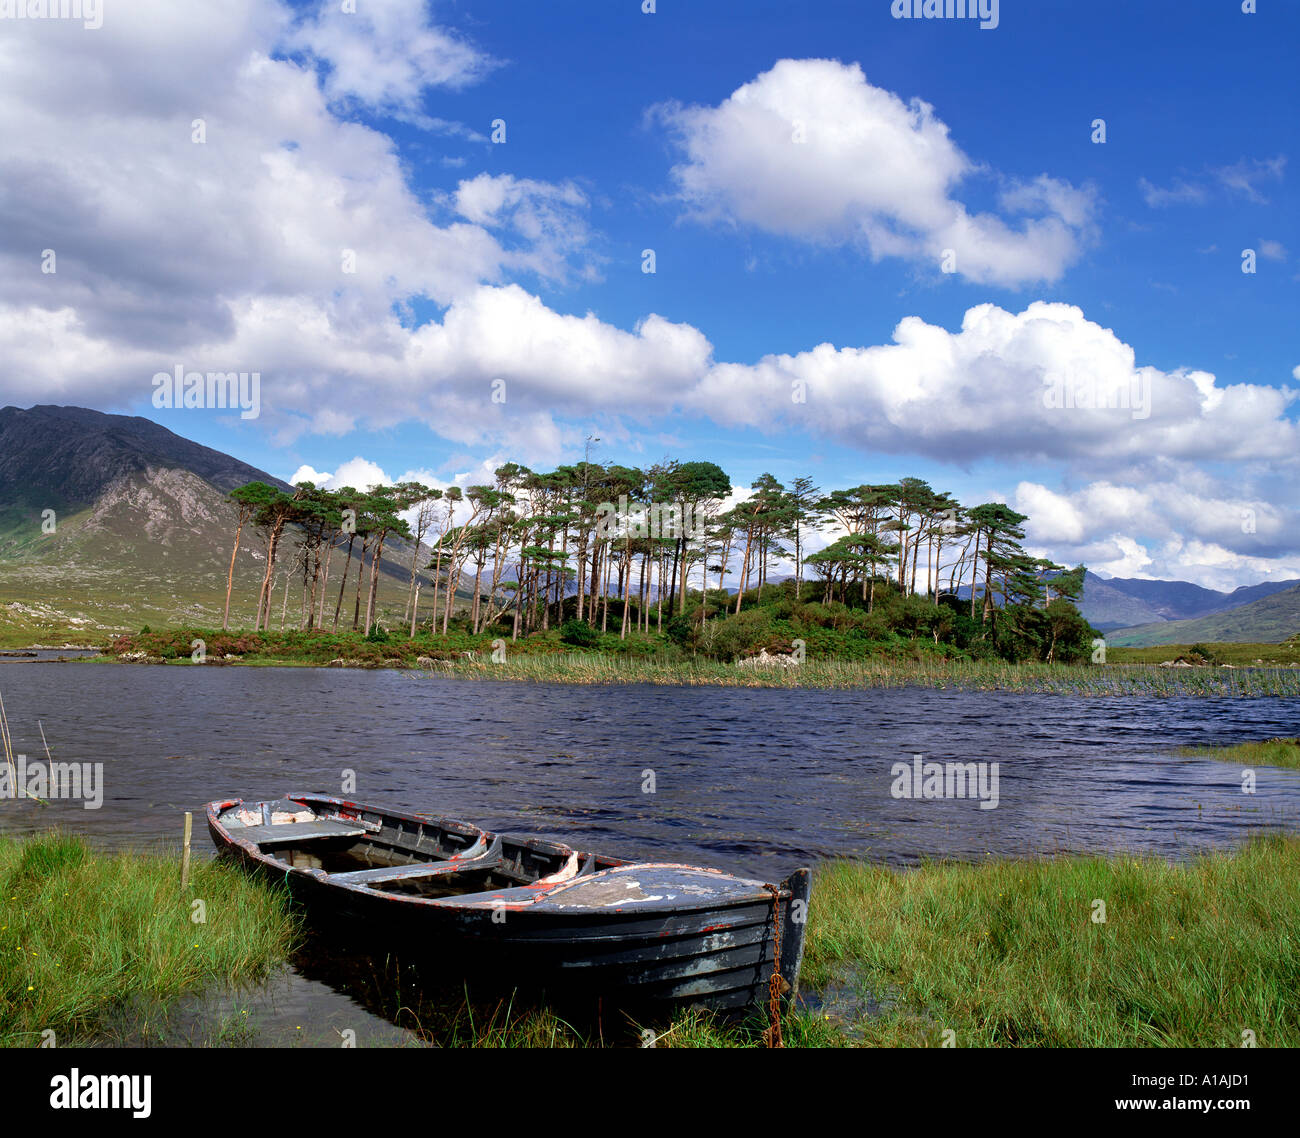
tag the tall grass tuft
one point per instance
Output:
(82, 934)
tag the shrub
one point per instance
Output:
(579, 633)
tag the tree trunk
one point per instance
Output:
(374, 583)
(343, 584)
(230, 577)
(325, 583)
(361, 576)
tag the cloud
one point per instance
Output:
(811, 150)
(1245, 176)
(248, 222)
(1045, 383)
(385, 55)
(1179, 193)
(549, 219)
(1272, 250)
(228, 254)
(1192, 528)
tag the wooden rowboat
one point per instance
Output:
(642, 934)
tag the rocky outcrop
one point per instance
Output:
(766, 659)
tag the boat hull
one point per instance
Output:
(642, 937)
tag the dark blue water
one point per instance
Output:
(748, 779)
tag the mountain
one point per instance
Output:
(1125, 603)
(141, 530)
(64, 458)
(1268, 620)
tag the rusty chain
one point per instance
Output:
(776, 986)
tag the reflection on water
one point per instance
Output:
(751, 780)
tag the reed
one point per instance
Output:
(1054, 679)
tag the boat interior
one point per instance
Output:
(414, 855)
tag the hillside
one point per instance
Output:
(65, 458)
(1125, 603)
(142, 534)
(1269, 620)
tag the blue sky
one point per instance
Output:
(676, 131)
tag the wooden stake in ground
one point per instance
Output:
(185, 852)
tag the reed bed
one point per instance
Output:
(1054, 679)
(82, 935)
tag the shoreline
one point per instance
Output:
(587, 669)
(895, 958)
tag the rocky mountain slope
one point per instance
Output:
(141, 532)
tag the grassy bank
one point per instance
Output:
(1008, 953)
(1243, 655)
(1003, 953)
(1267, 752)
(547, 659)
(82, 935)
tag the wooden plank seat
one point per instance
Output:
(296, 832)
(478, 856)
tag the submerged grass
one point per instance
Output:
(82, 934)
(1269, 752)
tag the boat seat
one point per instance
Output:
(476, 857)
(567, 872)
(296, 832)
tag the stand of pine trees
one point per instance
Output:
(603, 551)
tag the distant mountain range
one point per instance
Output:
(1269, 620)
(143, 532)
(1131, 604)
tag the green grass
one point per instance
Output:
(1268, 752)
(83, 934)
(1007, 953)
(1238, 655)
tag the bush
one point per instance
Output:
(579, 634)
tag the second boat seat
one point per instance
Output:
(468, 861)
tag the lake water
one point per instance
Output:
(752, 780)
